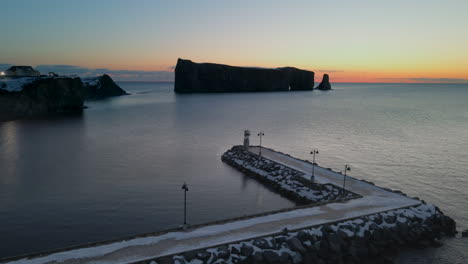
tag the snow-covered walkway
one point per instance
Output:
(371, 194)
(374, 200)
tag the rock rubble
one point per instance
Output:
(368, 239)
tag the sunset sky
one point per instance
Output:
(353, 41)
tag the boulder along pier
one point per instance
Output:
(332, 223)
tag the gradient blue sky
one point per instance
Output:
(141, 40)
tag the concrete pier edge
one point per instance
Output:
(272, 234)
(159, 233)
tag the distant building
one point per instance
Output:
(53, 74)
(21, 71)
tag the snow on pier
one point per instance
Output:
(287, 181)
(374, 200)
(372, 195)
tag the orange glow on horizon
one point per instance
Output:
(416, 73)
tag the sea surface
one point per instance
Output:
(117, 169)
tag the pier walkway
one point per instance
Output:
(374, 200)
(372, 195)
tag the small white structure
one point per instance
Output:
(21, 71)
(246, 139)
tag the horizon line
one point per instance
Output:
(319, 82)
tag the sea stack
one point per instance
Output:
(325, 84)
(193, 77)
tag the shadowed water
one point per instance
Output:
(117, 169)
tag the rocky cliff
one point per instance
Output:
(325, 84)
(209, 77)
(101, 87)
(25, 97)
(34, 96)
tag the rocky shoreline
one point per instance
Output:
(26, 97)
(40, 96)
(286, 181)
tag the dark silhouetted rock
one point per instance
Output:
(303, 235)
(257, 257)
(247, 250)
(391, 219)
(198, 254)
(40, 96)
(193, 77)
(325, 84)
(236, 251)
(261, 243)
(280, 239)
(101, 87)
(165, 260)
(273, 258)
(296, 245)
(223, 252)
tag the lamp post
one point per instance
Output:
(346, 168)
(313, 152)
(185, 188)
(260, 134)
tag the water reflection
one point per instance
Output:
(9, 155)
(117, 169)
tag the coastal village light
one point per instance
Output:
(346, 168)
(260, 134)
(313, 152)
(2, 73)
(185, 188)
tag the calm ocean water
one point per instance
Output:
(117, 169)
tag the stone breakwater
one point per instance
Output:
(366, 239)
(368, 229)
(287, 181)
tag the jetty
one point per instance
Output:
(356, 223)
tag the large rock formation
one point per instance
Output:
(101, 87)
(34, 96)
(25, 97)
(209, 77)
(325, 84)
